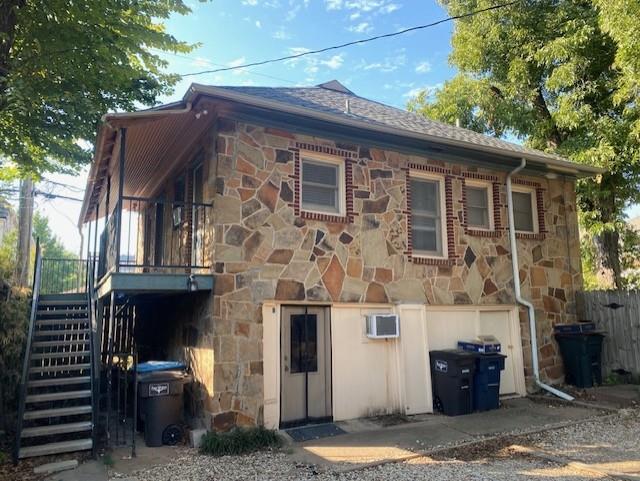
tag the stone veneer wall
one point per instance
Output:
(266, 248)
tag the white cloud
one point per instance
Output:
(389, 8)
(236, 63)
(258, 24)
(355, 16)
(388, 64)
(423, 67)
(362, 27)
(292, 13)
(429, 89)
(334, 62)
(251, 3)
(333, 4)
(201, 62)
(281, 34)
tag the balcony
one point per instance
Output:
(156, 245)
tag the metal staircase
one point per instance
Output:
(57, 400)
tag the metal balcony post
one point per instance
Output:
(123, 141)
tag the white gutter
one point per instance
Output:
(519, 299)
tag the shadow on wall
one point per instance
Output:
(180, 328)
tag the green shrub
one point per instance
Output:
(239, 441)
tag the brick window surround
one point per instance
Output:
(448, 194)
(348, 156)
(492, 181)
(539, 191)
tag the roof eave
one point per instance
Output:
(558, 165)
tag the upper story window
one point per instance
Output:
(525, 215)
(322, 185)
(427, 217)
(479, 206)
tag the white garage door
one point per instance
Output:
(447, 325)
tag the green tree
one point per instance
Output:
(555, 74)
(64, 64)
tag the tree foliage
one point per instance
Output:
(64, 64)
(561, 75)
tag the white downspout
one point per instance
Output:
(516, 286)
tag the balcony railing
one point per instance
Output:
(63, 276)
(157, 235)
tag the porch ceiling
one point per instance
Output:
(155, 143)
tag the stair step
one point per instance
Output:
(60, 367)
(60, 322)
(62, 302)
(58, 381)
(53, 355)
(56, 429)
(60, 312)
(56, 448)
(60, 332)
(56, 412)
(72, 342)
(58, 396)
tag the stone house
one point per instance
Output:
(254, 231)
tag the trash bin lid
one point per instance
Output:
(151, 366)
(164, 376)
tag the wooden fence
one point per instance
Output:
(618, 314)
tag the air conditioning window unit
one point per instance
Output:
(383, 326)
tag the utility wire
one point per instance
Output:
(355, 42)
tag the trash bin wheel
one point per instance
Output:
(437, 404)
(172, 435)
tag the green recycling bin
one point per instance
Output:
(582, 357)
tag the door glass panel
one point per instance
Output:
(304, 343)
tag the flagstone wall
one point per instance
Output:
(267, 248)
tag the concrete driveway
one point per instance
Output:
(366, 442)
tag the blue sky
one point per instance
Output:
(233, 32)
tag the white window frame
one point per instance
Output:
(523, 189)
(333, 160)
(488, 186)
(419, 175)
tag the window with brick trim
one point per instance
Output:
(322, 185)
(479, 208)
(525, 210)
(428, 227)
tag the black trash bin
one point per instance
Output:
(160, 405)
(452, 372)
(582, 356)
(486, 382)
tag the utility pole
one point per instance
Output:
(25, 224)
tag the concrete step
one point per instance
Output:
(60, 332)
(57, 412)
(56, 448)
(60, 322)
(56, 429)
(52, 355)
(61, 312)
(72, 342)
(58, 396)
(60, 367)
(58, 381)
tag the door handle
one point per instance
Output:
(286, 368)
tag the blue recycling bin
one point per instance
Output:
(486, 381)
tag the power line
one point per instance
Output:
(355, 42)
(60, 184)
(195, 59)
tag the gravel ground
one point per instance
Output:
(276, 466)
(602, 443)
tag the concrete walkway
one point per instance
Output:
(367, 443)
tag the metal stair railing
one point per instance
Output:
(92, 311)
(37, 276)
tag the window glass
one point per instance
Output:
(320, 186)
(304, 343)
(523, 211)
(478, 207)
(426, 233)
